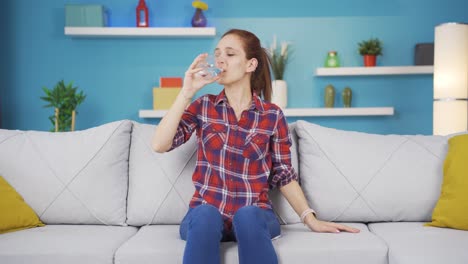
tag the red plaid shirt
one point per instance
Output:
(237, 161)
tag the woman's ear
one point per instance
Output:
(252, 65)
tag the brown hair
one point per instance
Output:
(260, 82)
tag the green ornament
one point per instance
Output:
(347, 96)
(329, 95)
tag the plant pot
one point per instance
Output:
(370, 60)
(279, 93)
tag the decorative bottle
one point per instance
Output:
(142, 14)
(199, 19)
(332, 59)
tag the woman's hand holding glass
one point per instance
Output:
(201, 72)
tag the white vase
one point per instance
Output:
(280, 93)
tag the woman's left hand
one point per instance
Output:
(327, 227)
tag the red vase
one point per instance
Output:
(142, 14)
(369, 60)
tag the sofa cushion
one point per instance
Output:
(452, 208)
(160, 184)
(296, 245)
(413, 243)
(71, 244)
(299, 245)
(282, 208)
(15, 214)
(354, 176)
(70, 177)
(151, 243)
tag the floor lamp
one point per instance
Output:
(450, 78)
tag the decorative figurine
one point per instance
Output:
(347, 96)
(329, 96)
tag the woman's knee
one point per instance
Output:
(247, 214)
(249, 217)
(206, 218)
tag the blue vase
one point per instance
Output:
(198, 19)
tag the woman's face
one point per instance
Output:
(230, 56)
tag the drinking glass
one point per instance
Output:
(209, 69)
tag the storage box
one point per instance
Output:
(81, 15)
(424, 54)
(163, 98)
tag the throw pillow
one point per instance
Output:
(451, 209)
(15, 214)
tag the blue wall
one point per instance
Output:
(118, 74)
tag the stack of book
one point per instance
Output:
(165, 95)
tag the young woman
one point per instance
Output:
(243, 150)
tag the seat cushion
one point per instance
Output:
(413, 243)
(299, 245)
(71, 244)
(296, 245)
(152, 243)
(361, 177)
(76, 177)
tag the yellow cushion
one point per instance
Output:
(15, 214)
(452, 208)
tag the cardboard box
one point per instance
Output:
(82, 15)
(163, 98)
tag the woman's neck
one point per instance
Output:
(239, 95)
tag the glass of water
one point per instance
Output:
(209, 69)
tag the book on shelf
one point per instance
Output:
(163, 98)
(170, 82)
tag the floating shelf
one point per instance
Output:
(351, 111)
(378, 70)
(140, 32)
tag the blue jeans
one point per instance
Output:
(253, 229)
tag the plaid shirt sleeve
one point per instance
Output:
(188, 123)
(282, 172)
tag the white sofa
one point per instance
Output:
(106, 197)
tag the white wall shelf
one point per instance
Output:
(377, 70)
(351, 111)
(148, 32)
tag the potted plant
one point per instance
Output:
(64, 99)
(279, 58)
(370, 49)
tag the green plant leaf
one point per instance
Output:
(66, 98)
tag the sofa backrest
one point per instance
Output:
(354, 176)
(160, 184)
(70, 177)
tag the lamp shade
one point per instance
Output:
(450, 78)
